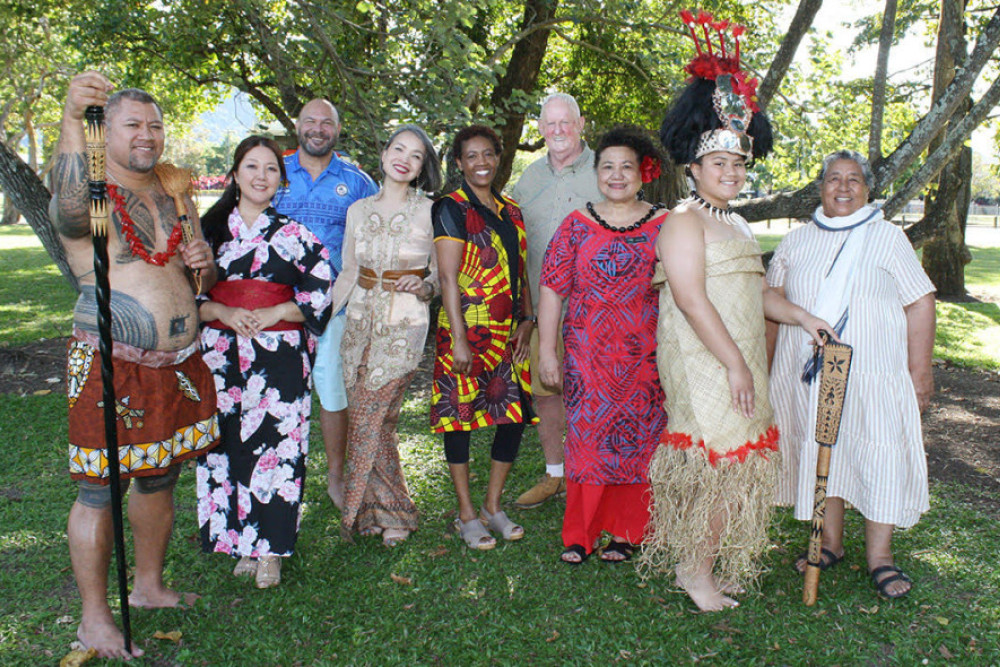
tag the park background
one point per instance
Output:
(444, 64)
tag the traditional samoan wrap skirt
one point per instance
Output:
(165, 403)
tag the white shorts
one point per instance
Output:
(328, 371)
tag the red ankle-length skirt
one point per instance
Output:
(620, 509)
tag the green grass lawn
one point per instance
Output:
(339, 604)
(35, 300)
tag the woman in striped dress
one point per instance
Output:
(852, 267)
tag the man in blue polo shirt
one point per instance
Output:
(321, 186)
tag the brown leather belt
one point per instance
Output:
(368, 279)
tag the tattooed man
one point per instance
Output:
(165, 396)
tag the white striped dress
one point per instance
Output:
(878, 464)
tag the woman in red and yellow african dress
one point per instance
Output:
(481, 366)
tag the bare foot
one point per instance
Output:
(391, 537)
(370, 530)
(164, 598)
(335, 489)
(103, 636)
(702, 589)
(730, 588)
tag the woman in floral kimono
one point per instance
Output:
(272, 298)
(389, 275)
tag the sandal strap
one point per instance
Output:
(882, 584)
(899, 574)
(577, 549)
(474, 533)
(501, 523)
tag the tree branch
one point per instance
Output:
(952, 143)
(909, 150)
(797, 29)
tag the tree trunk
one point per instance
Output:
(945, 257)
(10, 213)
(28, 194)
(878, 85)
(521, 75)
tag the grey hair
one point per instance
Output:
(429, 178)
(133, 94)
(854, 156)
(565, 97)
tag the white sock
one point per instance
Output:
(554, 470)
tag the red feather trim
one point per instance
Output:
(768, 441)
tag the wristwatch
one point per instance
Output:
(530, 318)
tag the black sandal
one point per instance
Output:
(882, 585)
(616, 547)
(574, 549)
(827, 559)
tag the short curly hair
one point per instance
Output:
(629, 136)
(470, 132)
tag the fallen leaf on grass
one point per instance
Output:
(440, 551)
(942, 620)
(77, 657)
(724, 627)
(855, 567)
(41, 392)
(63, 620)
(402, 581)
(173, 635)
(869, 610)
(409, 606)
(553, 637)
(945, 653)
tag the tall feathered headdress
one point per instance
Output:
(717, 111)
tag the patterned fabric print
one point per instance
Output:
(375, 491)
(250, 488)
(611, 388)
(159, 424)
(391, 327)
(490, 276)
(79, 362)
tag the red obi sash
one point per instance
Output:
(252, 294)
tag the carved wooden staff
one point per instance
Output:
(834, 373)
(176, 182)
(99, 231)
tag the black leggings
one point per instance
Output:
(506, 442)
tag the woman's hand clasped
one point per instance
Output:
(244, 322)
(414, 285)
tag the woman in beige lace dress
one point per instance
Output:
(389, 276)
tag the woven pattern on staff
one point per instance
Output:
(832, 390)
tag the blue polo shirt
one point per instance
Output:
(321, 205)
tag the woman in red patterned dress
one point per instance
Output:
(600, 262)
(484, 327)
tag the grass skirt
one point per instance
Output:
(689, 492)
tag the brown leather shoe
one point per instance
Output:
(547, 487)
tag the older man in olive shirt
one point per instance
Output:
(551, 188)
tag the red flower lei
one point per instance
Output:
(134, 242)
